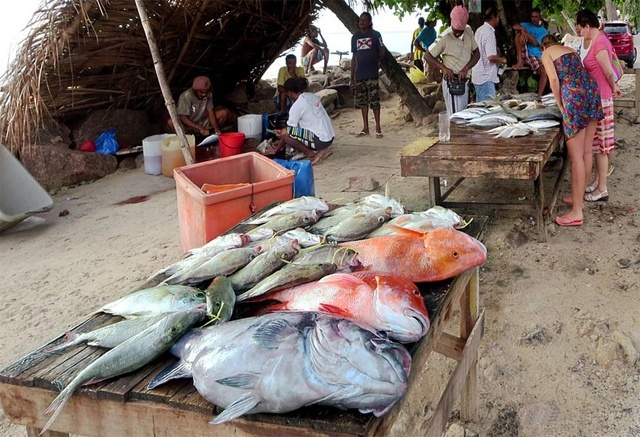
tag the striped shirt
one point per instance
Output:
(485, 70)
(455, 52)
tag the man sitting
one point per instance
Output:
(197, 113)
(528, 46)
(313, 51)
(280, 100)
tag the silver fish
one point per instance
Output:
(436, 217)
(345, 259)
(286, 222)
(128, 356)
(263, 265)
(157, 300)
(221, 300)
(358, 225)
(224, 263)
(292, 274)
(303, 203)
(280, 362)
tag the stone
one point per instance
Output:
(314, 87)
(55, 167)
(439, 107)
(606, 352)
(55, 134)
(364, 183)
(264, 90)
(327, 96)
(493, 372)
(630, 352)
(317, 77)
(128, 163)
(131, 126)
(342, 80)
(384, 92)
(262, 107)
(345, 64)
(238, 94)
(457, 430)
(516, 238)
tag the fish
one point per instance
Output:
(108, 336)
(286, 222)
(542, 124)
(492, 120)
(303, 203)
(375, 301)
(358, 225)
(420, 257)
(436, 217)
(547, 113)
(157, 300)
(368, 203)
(128, 356)
(469, 114)
(345, 259)
(263, 265)
(279, 362)
(220, 300)
(224, 263)
(292, 274)
(227, 241)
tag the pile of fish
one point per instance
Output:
(344, 282)
(513, 116)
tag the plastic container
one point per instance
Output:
(202, 216)
(231, 143)
(152, 152)
(251, 126)
(20, 194)
(416, 76)
(172, 156)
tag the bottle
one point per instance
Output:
(444, 126)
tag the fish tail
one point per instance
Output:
(57, 405)
(72, 339)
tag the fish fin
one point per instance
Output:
(246, 381)
(172, 371)
(71, 340)
(405, 231)
(282, 306)
(273, 333)
(240, 406)
(332, 309)
(344, 279)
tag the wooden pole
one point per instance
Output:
(162, 80)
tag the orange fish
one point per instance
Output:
(375, 301)
(421, 257)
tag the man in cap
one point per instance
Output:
(459, 52)
(529, 46)
(196, 111)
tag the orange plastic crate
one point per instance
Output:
(202, 216)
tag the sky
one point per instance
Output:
(396, 34)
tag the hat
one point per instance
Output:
(459, 17)
(201, 83)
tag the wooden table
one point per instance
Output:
(473, 153)
(123, 406)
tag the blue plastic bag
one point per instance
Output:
(303, 184)
(106, 143)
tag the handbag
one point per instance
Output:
(457, 87)
(616, 65)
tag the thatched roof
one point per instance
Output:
(88, 54)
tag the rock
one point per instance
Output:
(384, 92)
(327, 97)
(506, 424)
(55, 134)
(262, 107)
(457, 430)
(314, 87)
(537, 336)
(606, 352)
(515, 238)
(630, 352)
(364, 183)
(317, 77)
(238, 94)
(264, 90)
(493, 372)
(439, 107)
(345, 64)
(384, 80)
(55, 167)
(623, 263)
(131, 126)
(128, 163)
(343, 80)
(140, 161)
(509, 82)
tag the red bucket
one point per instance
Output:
(231, 143)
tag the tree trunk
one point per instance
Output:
(612, 12)
(406, 90)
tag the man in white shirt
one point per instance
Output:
(484, 75)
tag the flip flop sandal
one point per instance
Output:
(379, 135)
(565, 220)
(362, 134)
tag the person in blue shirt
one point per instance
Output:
(425, 38)
(528, 46)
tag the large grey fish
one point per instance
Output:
(128, 356)
(424, 221)
(222, 264)
(263, 265)
(286, 222)
(303, 203)
(157, 300)
(280, 362)
(370, 202)
(358, 225)
(290, 275)
(345, 259)
(548, 113)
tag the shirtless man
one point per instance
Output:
(313, 50)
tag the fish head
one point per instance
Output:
(307, 218)
(186, 298)
(443, 217)
(220, 299)
(346, 260)
(399, 306)
(175, 325)
(305, 239)
(289, 250)
(259, 234)
(451, 252)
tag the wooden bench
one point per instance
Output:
(473, 153)
(123, 406)
(630, 102)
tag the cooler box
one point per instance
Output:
(245, 179)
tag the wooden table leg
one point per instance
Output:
(469, 312)
(35, 432)
(538, 188)
(435, 195)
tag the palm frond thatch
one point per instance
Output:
(88, 54)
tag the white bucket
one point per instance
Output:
(251, 126)
(152, 152)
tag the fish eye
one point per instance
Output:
(455, 254)
(381, 219)
(416, 292)
(200, 295)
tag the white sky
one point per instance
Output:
(14, 17)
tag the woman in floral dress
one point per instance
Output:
(577, 96)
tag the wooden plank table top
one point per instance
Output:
(123, 406)
(473, 153)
